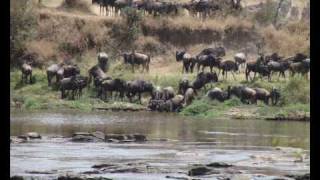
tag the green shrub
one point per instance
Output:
(196, 108)
(267, 13)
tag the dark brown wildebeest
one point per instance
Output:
(26, 71)
(111, 85)
(300, 67)
(263, 95)
(258, 66)
(202, 79)
(245, 94)
(207, 60)
(275, 96)
(138, 87)
(217, 52)
(219, 94)
(228, 65)
(280, 66)
(97, 74)
(138, 59)
(188, 61)
(52, 71)
(174, 104)
(75, 84)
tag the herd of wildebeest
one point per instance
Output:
(71, 83)
(202, 7)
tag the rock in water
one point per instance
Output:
(219, 165)
(118, 137)
(199, 171)
(139, 137)
(300, 177)
(99, 134)
(33, 135)
(87, 137)
(16, 178)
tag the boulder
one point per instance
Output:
(18, 139)
(199, 171)
(88, 137)
(300, 177)
(139, 137)
(16, 178)
(119, 137)
(219, 165)
(34, 135)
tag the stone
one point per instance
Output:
(139, 137)
(219, 165)
(199, 171)
(34, 135)
(99, 134)
(300, 177)
(119, 137)
(99, 166)
(16, 178)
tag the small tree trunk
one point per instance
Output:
(277, 13)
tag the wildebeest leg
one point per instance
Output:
(49, 79)
(233, 75)
(132, 68)
(30, 78)
(139, 96)
(211, 68)
(22, 78)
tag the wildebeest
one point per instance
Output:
(97, 74)
(52, 71)
(75, 84)
(280, 66)
(184, 84)
(189, 96)
(103, 61)
(138, 87)
(228, 65)
(202, 79)
(26, 71)
(275, 95)
(300, 67)
(217, 52)
(168, 93)
(263, 95)
(258, 67)
(240, 59)
(245, 94)
(218, 94)
(207, 60)
(137, 59)
(187, 59)
(110, 85)
(174, 104)
(157, 93)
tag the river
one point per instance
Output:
(256, 148)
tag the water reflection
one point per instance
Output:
(224, 132)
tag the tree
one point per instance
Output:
(133, 19)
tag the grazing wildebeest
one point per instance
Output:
(138, 87)
(299, 57)
(111, 85)
(183, 86)
(188, 61)
(263, 95)
(97, 74)
(81, 82)
(207, 60)
(103, 61)
(157, 93)
(240, 59)
(202, 79)
(168, 93)
(189, 96)
(217, 93)
(228, 65)
(26, 70)
(70, 70)
(217, 52)
(137, 58)
(245, 94)
(52, 71)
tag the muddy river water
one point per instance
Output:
(257, 149)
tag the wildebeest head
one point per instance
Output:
(299, 57)
(126, 57)
(179, 55)
(148, 87)
(220, 51)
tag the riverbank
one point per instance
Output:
(293, 105)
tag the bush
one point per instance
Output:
(197, 107)
(23, 20)
(296, 90)
(267, 13)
